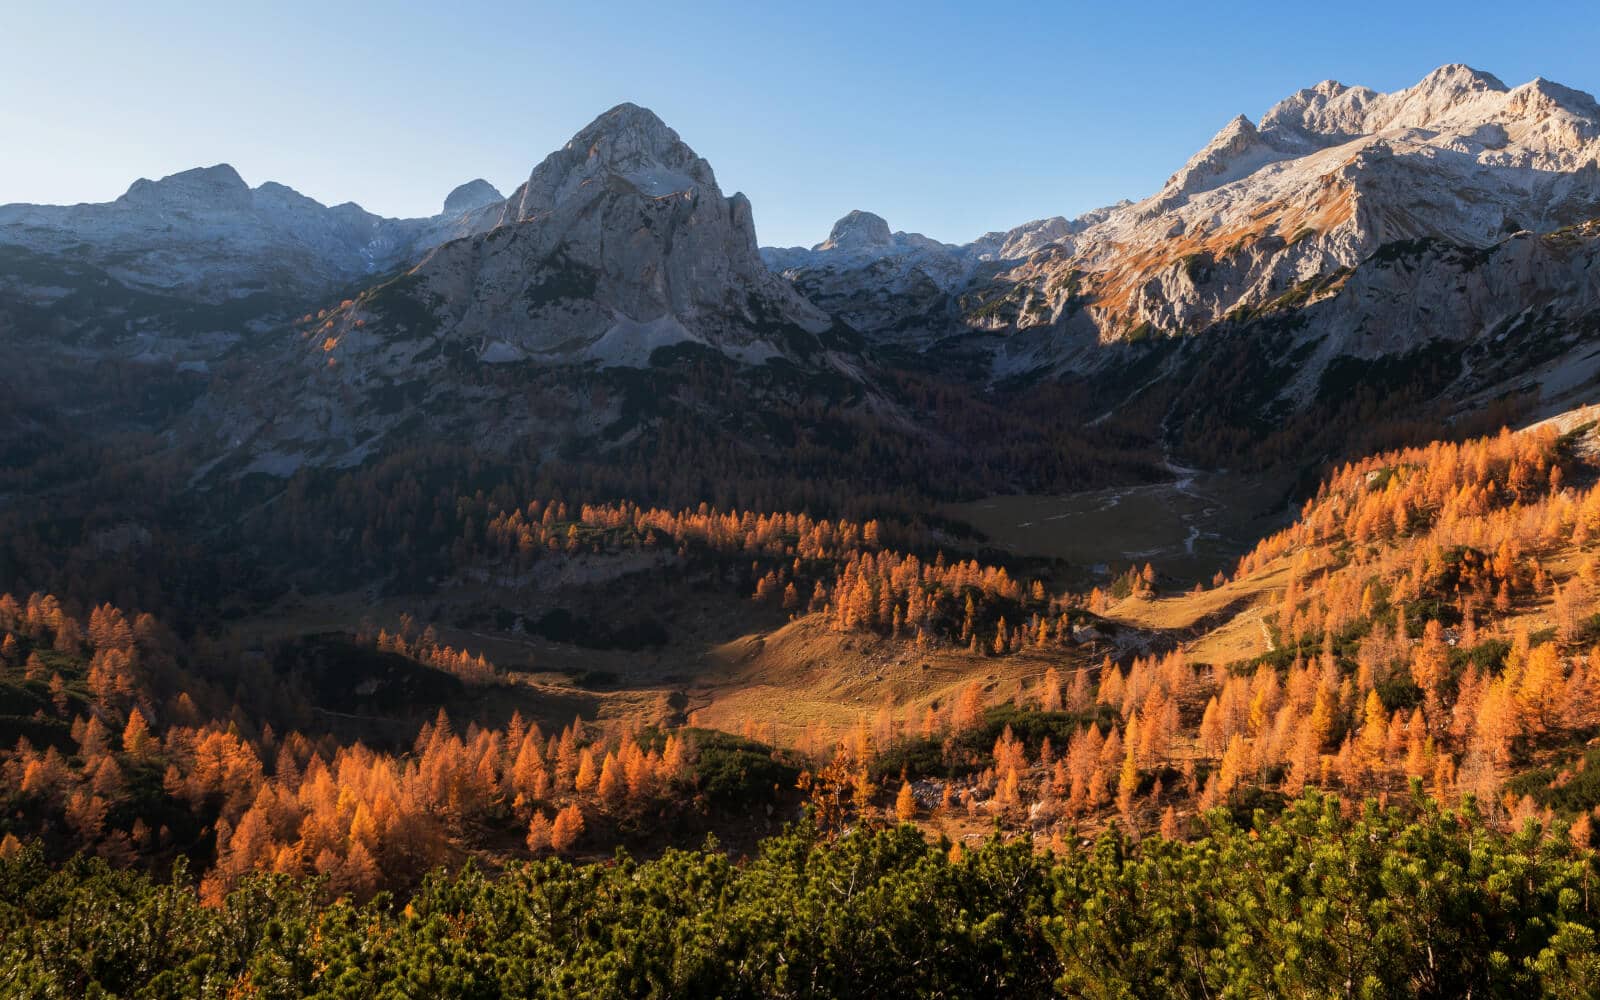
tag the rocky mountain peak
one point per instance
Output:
(1568, 98)
(1447, 92)
(1331, 176)
(857, 230)
(618, 244)
(218, 186)
(629, 128)
(473, 194)
(1458, 100)
(1539, 99)
(1328, 111)
(1031, 237)
(627, 144)
(1232, 153)
(1457, 80)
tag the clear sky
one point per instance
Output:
(946, 118)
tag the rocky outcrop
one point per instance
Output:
(903, 287)
(619, 245)
(1022, 242)
(473, 194)
(858, 231)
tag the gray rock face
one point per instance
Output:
(617, 245)
(1525, 312)
(903, 287)
(627, 144)
(857, 231)
(181, 271)
(206, 235)
(218, 187)
(473, 194)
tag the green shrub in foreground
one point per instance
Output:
(1406, 901)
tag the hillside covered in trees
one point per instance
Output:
(1362, 756)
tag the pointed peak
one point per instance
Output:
(1459, 77)
(1446, 98)
(631, 120)
(1239, 126)
(473, 194)
(856, 230)
(628, 109)
(626, 145)
(634, 143)
(1236, 150)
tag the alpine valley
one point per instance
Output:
(345, 548)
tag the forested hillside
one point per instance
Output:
(1425, 625)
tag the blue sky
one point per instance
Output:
(945, 118)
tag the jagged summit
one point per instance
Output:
(618, 242)
(473, 194)
(1456, 108)
(1328, 109)
(1440, 94)
(857, 229)
(631, 122)
(1446, 99)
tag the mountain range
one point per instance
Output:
(1457, 209)
(1454, 220)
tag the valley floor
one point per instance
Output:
(1191, 527)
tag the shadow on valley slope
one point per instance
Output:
(1189, 528)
